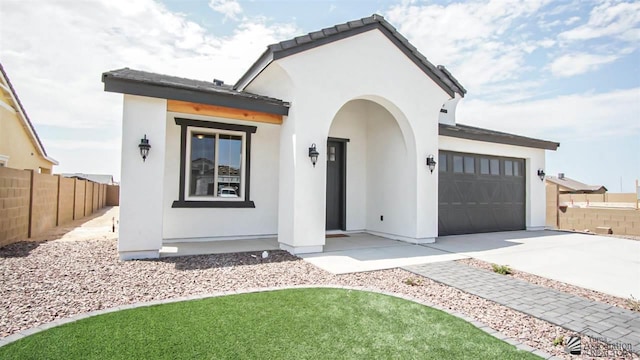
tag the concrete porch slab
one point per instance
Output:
(365, 252)
(217, 247)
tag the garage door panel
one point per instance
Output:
(471, 202)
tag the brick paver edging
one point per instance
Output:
(19, 335)
(600, 321)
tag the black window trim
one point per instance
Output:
(248, 130)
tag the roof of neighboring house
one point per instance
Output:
(97, 178)
(439, 73)
(474, 133)
(6, 86)
(574, 185)
(136, 82)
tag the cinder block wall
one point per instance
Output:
(552, 206)
(14, 205)
(66, 200)
(113, 195)
(44, 206)
(79, 199)
(621, 221)
(88, 198)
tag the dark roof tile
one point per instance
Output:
(340, 31)
(480, 134)
(145, 83)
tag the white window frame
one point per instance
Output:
(4, 160)
(187, 163)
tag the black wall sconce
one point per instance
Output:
(144, 147)
(541, 174)
(431, 163)
(313, 154)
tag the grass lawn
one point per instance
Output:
(287, 324)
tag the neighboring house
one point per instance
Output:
(370, 104)
(570, 186)
(20, 146)
(97, 178)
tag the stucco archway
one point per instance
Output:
(379, 188)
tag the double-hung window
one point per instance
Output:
(214, 169)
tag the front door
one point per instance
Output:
(336, 181)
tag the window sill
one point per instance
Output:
(213, 204)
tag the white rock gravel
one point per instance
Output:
(42, 282)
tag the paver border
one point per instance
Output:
(496, 334)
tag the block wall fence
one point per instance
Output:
(32, 203)
(618, 212)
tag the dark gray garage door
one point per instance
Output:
(479, 193)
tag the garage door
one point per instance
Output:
(479, 193)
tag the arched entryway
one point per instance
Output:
(370, 169)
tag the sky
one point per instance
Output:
(565, 71)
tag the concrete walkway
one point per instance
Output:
(611, 324)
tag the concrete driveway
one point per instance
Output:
(605, 264)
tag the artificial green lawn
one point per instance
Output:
(287, 324)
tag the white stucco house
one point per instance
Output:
(233, 162)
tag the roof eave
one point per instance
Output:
(256, 69)
(499, 138)
(276, 51)
(25, 118)
(164, 91)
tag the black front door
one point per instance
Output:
(336, 171)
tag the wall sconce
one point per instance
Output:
(431, 163)
(144, 147)
(541, 174)
(313, 154)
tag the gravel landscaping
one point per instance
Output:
(45, 281)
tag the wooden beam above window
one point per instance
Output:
(186, 107)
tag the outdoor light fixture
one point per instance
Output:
(313, 154)
(541, 174)
(431, 163)
(144, 147)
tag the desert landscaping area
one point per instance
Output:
(77, 270)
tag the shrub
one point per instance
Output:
(634, 304)
(501, 269)
(413, 282)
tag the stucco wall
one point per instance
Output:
(15, 193)
(66, 201)
(199, 224)
(141, 185)
(16, 143)
(44, 204)
(534, 160)
(366, 66)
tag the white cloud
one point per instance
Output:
(579, 116)
(580, 63)
(231, 9)
(473, 39)
(55, 53)
(619, 20)
(572, 20)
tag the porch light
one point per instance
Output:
(313, 154)
(541, 174)
(431, 163)
(144, 147)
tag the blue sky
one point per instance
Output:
(567, 71)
